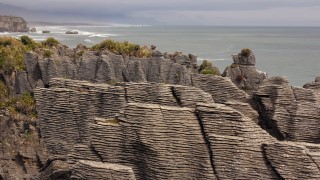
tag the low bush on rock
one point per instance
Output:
(20, 107)
(50, 42)
(123, 48)
(12, 52)
(246, 52)
(207, 68)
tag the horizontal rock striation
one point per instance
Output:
(243, 72)
(289, 113)
(105, 116)
(161, 131)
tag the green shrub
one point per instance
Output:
(207, 68)
(80, 53)
(210, 71)
(246, 52)
(26, 40)
(21, 106)
(123, 48)
(47, 53)
(11, 54)
(50, 42)
(30, 43)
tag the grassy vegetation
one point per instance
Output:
(47, 53)
(12, 53)
(21, 107)
(207, 68)
(123, 48)
(50, 42)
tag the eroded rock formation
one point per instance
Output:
(13, 24)
(105, 116)
(243, 71)
(156, 131)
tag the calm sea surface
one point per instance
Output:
(293, 52)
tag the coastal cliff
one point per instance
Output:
(104, 114)
(13, 24)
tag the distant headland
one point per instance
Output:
(13, 24)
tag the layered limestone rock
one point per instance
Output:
(289, 113)
(315, 85)
(104, 116)
(243, 72)
(160, 131)
(13, 24)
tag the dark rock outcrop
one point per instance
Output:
(243, 72)
(13, 24)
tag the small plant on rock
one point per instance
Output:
(207, 68)
(47, 53)
(50, 42)
(246, 52)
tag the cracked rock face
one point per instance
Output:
(289, 113)
(109, 117)
(157, 132)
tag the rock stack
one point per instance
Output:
(243, 71)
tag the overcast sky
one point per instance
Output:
(170, 12)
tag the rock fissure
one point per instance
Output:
(268, 163)
(208, 144)
(175, 95)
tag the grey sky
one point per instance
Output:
(170, 12)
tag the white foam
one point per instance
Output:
(201, 59)
(102, 35)
(4, 33)
(89, 41)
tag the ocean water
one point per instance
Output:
(293, 52)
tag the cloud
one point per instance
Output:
(179, 12)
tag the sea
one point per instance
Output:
(293, 52)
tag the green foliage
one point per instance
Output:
(207, 68)
(12, 53)
(80, 53)
(30, 43)
(50, 42)
(23, 105)
(47, 53)
(209, 71)
(246, 52)
(123, 48)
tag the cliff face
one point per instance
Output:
(105, 116)
(156, 131)
(13, 24)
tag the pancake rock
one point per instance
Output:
(243, 71)
(160, 131)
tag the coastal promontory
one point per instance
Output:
(13, 24)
